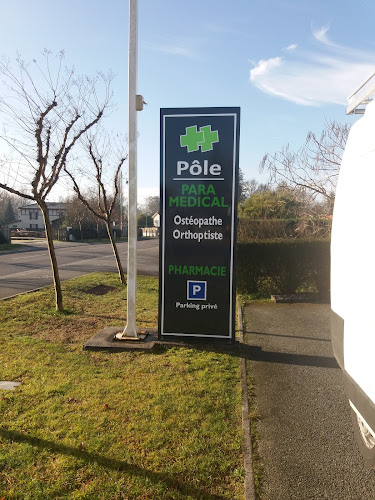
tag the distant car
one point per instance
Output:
(27, 233)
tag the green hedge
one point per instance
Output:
(284, 267)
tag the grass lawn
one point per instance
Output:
(97, 425)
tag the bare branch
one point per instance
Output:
(16, 192)
(102, 155)
(314, 168)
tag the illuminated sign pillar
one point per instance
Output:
(199, 177)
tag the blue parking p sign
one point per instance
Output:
(196, 290)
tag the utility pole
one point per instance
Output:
(135, 104)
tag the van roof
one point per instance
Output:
(362, 96)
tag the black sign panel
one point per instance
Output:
(199, 175)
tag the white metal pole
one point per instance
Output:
(131, 329)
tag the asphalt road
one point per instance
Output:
(306, 440)
(30, 268)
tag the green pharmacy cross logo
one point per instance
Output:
(204, 139)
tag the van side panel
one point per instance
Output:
(353, 391)
(360, 400)
(353, 266)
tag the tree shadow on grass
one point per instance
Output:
(108, 463)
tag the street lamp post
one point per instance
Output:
(135, 104)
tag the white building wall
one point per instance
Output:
(31, 217)
(156, 219)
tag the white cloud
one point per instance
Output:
(320, 34)
(174, 50)
(291, 47)
(327, 74)
(216, 28)
(177, 51)
(265, 67)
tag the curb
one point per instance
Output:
(248, 460)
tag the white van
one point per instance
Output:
(353, 269)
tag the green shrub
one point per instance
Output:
(283, 266)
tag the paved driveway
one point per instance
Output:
(306, 440)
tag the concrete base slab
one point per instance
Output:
(148, 341)
(105, 341)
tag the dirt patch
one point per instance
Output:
(100, 290)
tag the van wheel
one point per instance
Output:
(365, 439)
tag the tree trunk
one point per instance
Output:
(52, 255)
(115, 251)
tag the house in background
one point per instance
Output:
(30, 216)
(152, 232)
(156, 219)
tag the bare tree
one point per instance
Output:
(152, 205)
(45, 109)
(107, 158)
(313, 170)
(78, 215)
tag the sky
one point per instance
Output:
(288, 64)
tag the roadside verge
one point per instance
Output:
(247, 445)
